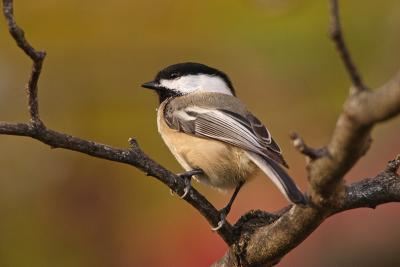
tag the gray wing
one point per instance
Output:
(245, 132)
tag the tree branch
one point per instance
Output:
(133, 156)
(371, 192)
(328, 195)
(258, 238)
(337, 37)
(36, 56)
(368, 193)
(303, 148)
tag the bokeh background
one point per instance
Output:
(62, 208)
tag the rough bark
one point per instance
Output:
(258, 238)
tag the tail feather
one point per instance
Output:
(280, 178)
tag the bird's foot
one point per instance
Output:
(187, 179)
(223, 213)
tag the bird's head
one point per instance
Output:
(185, 78)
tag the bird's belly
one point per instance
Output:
(224, 165)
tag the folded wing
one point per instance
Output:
(246, 132)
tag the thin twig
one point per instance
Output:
(36, 56)
(337, 37)
(17, 33)
(267, 243)
(303, 148)
(32, 90)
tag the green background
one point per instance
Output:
(61, 208)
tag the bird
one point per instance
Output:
(213, 135)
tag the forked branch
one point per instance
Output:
(259, 238)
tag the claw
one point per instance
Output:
(172, 193)
(187, 177)
(223, 213)
(221, 221)
(186, 191)
(219, 225)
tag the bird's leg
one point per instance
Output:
(187, 178)
(223, 213)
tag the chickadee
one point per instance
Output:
(213, 135)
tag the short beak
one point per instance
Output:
(152, 85)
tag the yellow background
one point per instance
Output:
(61, 208)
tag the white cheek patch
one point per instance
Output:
(201, 83)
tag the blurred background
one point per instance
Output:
(62, 208)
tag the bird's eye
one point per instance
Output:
(174, 75)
